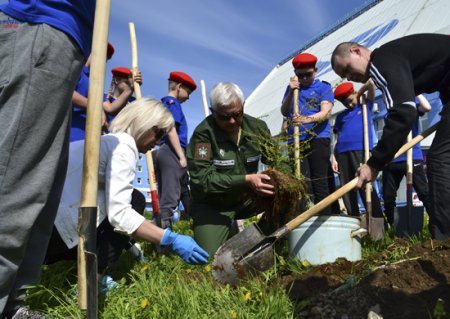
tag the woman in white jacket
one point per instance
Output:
(137, 128)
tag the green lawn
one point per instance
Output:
(166, 287)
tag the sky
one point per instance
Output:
(216, 40)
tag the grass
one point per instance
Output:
(166, 287)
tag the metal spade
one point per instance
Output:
(250, 251)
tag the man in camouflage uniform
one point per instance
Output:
(223, 156)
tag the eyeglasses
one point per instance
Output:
(228, 116)
(304, 74)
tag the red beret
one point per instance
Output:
(343, 91)
(304, 60)
(109, 51)
(183, 78)
(121, 72)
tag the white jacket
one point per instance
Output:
(117, 169)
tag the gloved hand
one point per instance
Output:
(164, 219)
(185, 247)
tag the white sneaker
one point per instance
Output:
(25, 312)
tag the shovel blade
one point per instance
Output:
(376, 228)
(232, 263)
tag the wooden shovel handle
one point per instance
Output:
(93, 128)
(409, 163)
(296, 137)
(152, 182)
(134, 60)
(327, 201)
(137, 90)
(351, 185)
(204, 100)
(368, 187)
(366, 145)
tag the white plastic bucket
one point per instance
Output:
(323, 239)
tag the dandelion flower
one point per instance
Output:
(144, 303)
(144, 268)
(247, 296)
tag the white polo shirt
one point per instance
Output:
(117, 169)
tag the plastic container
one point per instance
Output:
(323, 239)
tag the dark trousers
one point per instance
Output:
(109, 243)
(316, 168)
(349, 162)
(438, 172)
(393, 175)
(185, 197)
(172, 182)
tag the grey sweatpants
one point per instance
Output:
(171, 179)
(39, 68)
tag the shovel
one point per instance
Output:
(137, 90)
(376, 224)
(409, 183)
(250, 251)
(87, 216)
(296, 137)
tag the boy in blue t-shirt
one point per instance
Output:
(120, 91)
(348, 152)
(112, 104)
(394, 172)
(171, 163)
(315, 100)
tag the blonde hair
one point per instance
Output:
(140, 116)
(223, 94)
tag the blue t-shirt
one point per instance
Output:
(74, 17)
(309, 99)
(78, 124)
(349, 126)
(174, 107)
(417, 150)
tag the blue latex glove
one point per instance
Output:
(185, 247)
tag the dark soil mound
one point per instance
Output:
(409, 288)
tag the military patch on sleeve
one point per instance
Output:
(203, 151)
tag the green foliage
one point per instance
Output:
(439, 310)
(166, 287)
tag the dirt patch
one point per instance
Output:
(409, 288)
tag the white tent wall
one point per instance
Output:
(380, 23)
